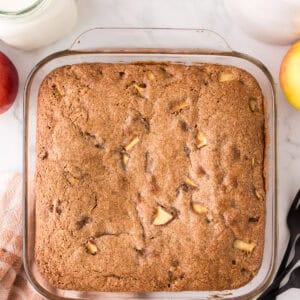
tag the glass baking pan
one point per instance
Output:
(184, 46)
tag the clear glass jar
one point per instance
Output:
(30, 24)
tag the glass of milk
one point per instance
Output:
(30, 24)
(272, 21)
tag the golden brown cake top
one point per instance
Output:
(149, 177)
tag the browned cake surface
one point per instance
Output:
(121, 152)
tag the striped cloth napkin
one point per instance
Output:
(13, 282)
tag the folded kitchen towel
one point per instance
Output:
(13, 282)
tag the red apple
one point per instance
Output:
(9, 82)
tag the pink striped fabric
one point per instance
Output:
(13, 282)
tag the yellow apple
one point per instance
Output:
(290, 75)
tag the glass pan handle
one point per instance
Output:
(99, 39)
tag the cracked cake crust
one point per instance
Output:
(149, 177)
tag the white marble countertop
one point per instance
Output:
(168, 13)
